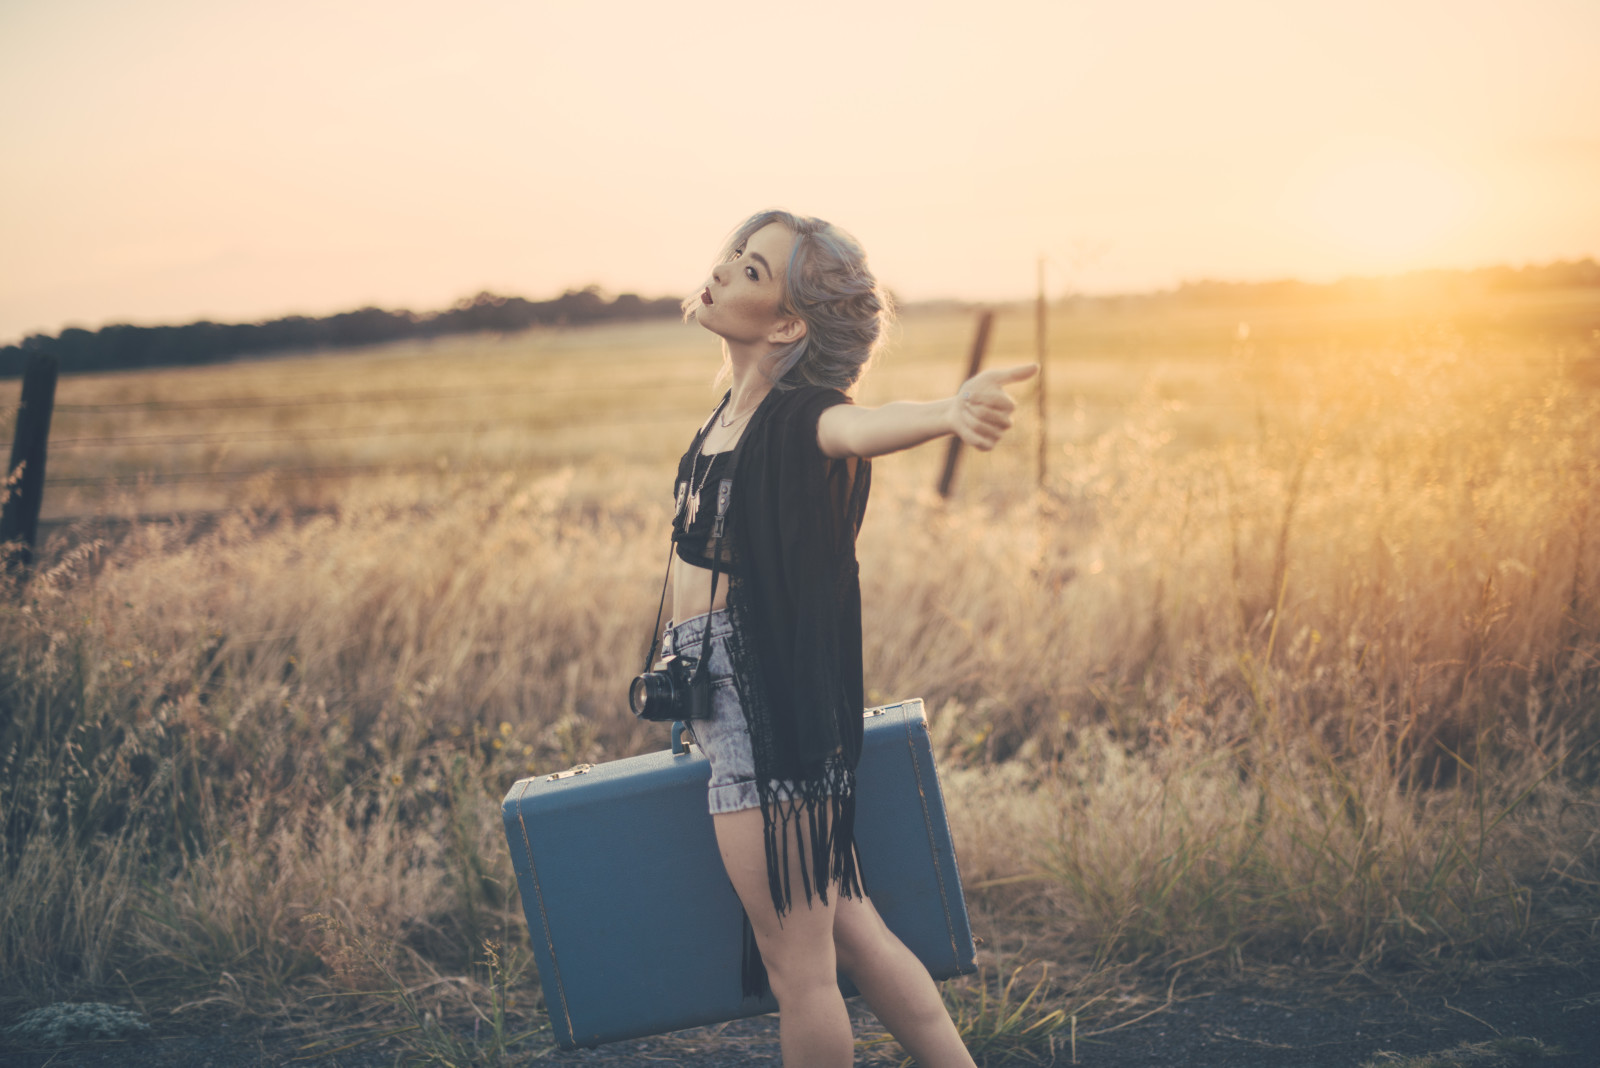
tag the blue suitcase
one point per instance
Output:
(636, 928)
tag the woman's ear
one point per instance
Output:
(787, 331)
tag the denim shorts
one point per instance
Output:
(725, 737)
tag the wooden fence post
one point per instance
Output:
(980, 343)
(1040, 322)
(24, 493)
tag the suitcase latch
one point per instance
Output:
(569, 773)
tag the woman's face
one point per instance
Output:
(741, 301)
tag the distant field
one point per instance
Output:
(1294, 663)
(535, 401)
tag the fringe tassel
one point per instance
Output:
(826, 809)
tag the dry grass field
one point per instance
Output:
(1294, 662)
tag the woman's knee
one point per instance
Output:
(859, 934)
(797, 969)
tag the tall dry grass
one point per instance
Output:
(1321, 682)
(1329, 692)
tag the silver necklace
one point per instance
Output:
(692, 500)
(694, 491)
(722, 420)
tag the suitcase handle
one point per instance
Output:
(680, 744)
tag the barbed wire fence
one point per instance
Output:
(568, 398)
(453, 427)
(554, 420)
(27, 480)
(300, 435)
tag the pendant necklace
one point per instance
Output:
(694, 491)
(692, 502)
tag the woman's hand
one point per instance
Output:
(981, 409)
(979, 414)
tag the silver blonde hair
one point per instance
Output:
(827, 285)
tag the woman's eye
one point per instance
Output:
(751, 271)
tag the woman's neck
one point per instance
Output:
(748, 384)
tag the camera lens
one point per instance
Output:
(639, 693)
(651, 688)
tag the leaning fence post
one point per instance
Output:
(980, 343)
(24, 488)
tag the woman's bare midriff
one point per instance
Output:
(691, 590)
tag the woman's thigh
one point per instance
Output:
(800, 946)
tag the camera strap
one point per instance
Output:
(655, 632)
(724, 495)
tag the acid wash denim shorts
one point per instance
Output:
(725, 737)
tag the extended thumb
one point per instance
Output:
(1020, 373)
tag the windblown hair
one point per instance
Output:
(828, 285)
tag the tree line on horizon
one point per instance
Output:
(126, 347)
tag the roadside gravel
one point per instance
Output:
(1238, 1026)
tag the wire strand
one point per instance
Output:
(328, 433)
(231, 403)
(295, 473)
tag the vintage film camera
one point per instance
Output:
(680, 690)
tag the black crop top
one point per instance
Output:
(700, 477)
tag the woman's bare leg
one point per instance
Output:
(813, 1024)
(896, 986)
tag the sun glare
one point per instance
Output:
(1377, 207)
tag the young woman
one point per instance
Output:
(800, 315)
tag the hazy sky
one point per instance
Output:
(169, 159)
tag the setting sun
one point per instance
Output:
(177, 160)
(1390, 205)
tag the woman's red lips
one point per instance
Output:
(705, 296)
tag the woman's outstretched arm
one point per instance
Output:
(979, 413)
